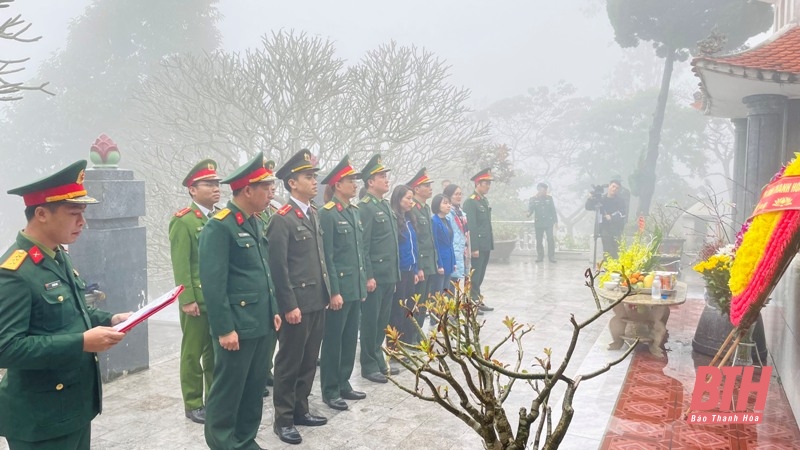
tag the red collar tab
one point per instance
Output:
(239, 218)
(198, 213)
(339, 207)
(36, 255)
(299, 213)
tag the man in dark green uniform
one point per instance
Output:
(49, 338)
(197, 354)
(242, 312)
(543, 210)
(479, 221)
(344, 257)
(297, 261)
(422, 187)
(382, 265)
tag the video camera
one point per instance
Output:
(598, 190)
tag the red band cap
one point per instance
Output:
(56, 194)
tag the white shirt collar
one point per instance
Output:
(303, 206)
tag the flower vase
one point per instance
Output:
(744, 351)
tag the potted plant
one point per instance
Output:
(505, 241)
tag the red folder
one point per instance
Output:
(148, 310)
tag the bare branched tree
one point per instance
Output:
(455, 369)
(14, 29)
(292, 92)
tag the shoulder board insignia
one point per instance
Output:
(14, 260)
(474, 197)
(285, 209)
(223, 213)
(183, 212)
(365, 199)
(239, 218)
(329, 205)
(198, 213)
(36, 255)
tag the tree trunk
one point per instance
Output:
(647, 172)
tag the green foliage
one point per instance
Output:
(680, 24)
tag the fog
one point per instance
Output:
(540, 91)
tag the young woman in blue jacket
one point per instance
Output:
(401, 202)
(443, 240)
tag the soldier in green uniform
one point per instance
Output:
(242, 312)
(381, 260)
(197, 354)
(49, 338)
(422, 187)
(543, 210)
(479, 219)
(344, 257)
(297, 262)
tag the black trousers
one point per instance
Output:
(398, 317)
(551, 243)
(296, 365)
(478, 272)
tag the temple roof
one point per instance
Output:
(772, 67)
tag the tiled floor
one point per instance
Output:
(656, 393)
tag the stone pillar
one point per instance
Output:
(765, 141)
(739, 159)
(112, 252)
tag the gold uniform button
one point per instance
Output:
(243, 303)
(341, 274)
(59, 386)
(302, 285)
(96, 359)
(324, 275)
(247, 245)
(60, 298)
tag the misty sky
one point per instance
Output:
(496, 49)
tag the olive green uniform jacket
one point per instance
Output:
(427, 249)
(52, 387)
(381, 257)
(479, 220)
(237, 284)
(344, 250)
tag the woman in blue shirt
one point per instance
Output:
(443, 240)
(401, 202)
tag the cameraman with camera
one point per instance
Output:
(612, 212)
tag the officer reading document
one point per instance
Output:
(49, 337)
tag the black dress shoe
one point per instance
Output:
(336, 403)
(310, 420)
(290, 435)
(197, 415)
(391, 370)
(353, 395)
(376, 377)
(483, 307)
